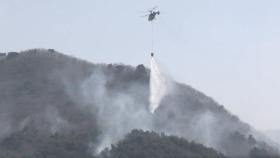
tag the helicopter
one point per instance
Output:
(152, 13)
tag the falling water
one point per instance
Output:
(158, 86)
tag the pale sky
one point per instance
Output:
(228, 49)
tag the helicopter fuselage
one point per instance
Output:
(152, 15)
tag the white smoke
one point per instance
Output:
(117, 112)
(158, 86)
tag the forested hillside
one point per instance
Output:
(53, 105)
(139, 144)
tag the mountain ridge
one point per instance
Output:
(62, 94)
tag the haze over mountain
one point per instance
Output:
(52, 103)
(273, 135)
(221, 46)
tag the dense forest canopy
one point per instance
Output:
(140, 144)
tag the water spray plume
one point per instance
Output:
(158, 86)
